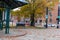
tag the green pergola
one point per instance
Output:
(8, 5)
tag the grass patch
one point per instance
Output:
(39, 27)
(27, 27)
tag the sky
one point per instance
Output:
(16, 9)
(22, 0)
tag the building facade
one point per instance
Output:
(52, 16)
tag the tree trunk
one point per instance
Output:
(32, 19)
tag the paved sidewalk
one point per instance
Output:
(38, 34)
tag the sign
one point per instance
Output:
(46, 16)
(58, 16)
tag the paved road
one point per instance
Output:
(38, 34)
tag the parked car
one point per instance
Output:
(20, 23)
(54, 25)
(50, 25)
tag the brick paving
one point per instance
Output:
(38, 34)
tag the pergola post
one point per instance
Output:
(7, 20)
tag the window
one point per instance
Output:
(40, 20)
(50, 20)
(50, 14)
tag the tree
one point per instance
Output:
(16, 13)
(25, 11)
(34, 7)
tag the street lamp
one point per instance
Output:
(46, 17)
(58, 18)
(47, 14)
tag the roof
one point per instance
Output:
(11, 3)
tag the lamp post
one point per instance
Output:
(58, 18)
(47, 13)
(46, 17)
